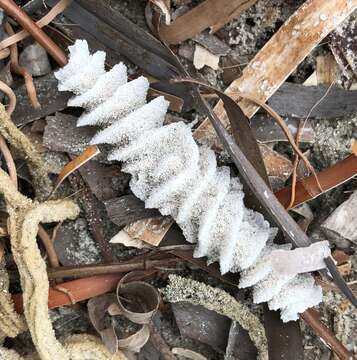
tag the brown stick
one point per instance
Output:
(312, 318)
(48, 244)
(306, 189)
(102, 269)
(38, 34)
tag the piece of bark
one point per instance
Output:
(62, 134)
(212, 43)
(50, 98)
(239, 346)
(343, 43)
(128, 209)
(202, 57)
(208, 14)
(275, 163)
(74, 245)
(199, 323)
(343, 221)
(329, 178)
(275, 61)
(297, 100)
(326, 69)
(267, 130)
(105, 181)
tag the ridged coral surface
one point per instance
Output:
(172, 173)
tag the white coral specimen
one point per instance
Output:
(170, 172)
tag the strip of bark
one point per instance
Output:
(208, 14)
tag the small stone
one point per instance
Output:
(35, 60)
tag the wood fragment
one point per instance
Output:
(306, 189)
(209, 14)
(128, 209)
(344, 47)
(204, 324)
(275, 61)
(326, 70)
(50, 98)
(276, 164)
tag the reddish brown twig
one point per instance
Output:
(38, 34)
(312, 318)
(299, 132)
(15, 66)
(329, 178)
(11, 95)
(48, 244)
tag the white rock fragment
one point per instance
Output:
(35, 60)
(343, 220)
(172, 173)
(202, 57)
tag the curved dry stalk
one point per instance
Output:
(20, 70)
(196, 293)
(11, 95)
(37, 168)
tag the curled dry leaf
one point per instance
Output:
(89, 153)
(97, 309)
(136, 302)
(164, 6)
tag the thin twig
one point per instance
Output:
(11, 95)
(15, 66)
(48, 244)
(300, 130)
(38, 34)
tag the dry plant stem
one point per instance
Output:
(11, 95)
(300, 130)
(9, 160)
(48, 244)
(23, 34)
(27, 23)
(275, 61)
(284, 127)
(101, 269)
(14, 56)
(16, 138)
(311, 317)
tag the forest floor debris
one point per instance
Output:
(227, 42)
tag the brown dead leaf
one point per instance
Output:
(89, 153)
